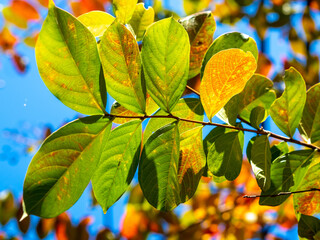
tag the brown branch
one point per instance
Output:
(281, 193)
(193, 90)
(258, 131)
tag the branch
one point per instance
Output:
(281, 193)
(259, 131)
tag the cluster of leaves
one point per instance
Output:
(172, 155)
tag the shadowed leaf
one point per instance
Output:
(308, 227)
(158, 169)
(118, 164)
(256, 117)
(260, 161)
(225, 155)
(68, 62)
(165, 58)
(225, 75)
(286, 173)
(63, 166)
(121, 64)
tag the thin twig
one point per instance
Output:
(193, 90)
(258, 131)
(281, 193)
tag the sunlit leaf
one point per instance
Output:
(308, 227)
(31, 40)
(287, 110)
(96, 21)
(118, 164)
(187, 108)
(309, 202)
(261, 161)
(225, 75)
(310, 122)
(158, 169)
(225, 155)
(63, 166)
(286, 173)
(256, 117)
(141, 19)
(165, 59)
(192, 162)
(227, 41)
(124, 9)
(121, 64)
(68, 62)
(200, 28)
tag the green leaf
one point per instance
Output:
(308, 226)
(310, 122)
(249, 147)
(158, 169)
(63, 166)
(119, 110)
(141, 19)
(165, 59)
(279, 150)
(261, 161)
(256, 117)
(121, 64)
(286, 173)
(257, 93)
(227, 41)
(118, 164)
(188, 108)
(309, 202)
(225, 155)
(200, 27)
(96, 21)
(68, 62)
(286, 111)
(192, 162)
(124, 9)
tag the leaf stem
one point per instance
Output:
(281, 193)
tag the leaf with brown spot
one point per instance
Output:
(69, 64)
(191, 163)
(225, 75)
(63, 166)
(309, 203)
(120, 57)
(200, 28)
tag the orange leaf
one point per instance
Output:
(84, 6)
(7, 40)
(225, 75)
(44, 3)
(24, 10)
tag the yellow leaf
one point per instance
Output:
(225, 75)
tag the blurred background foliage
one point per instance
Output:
(217, 211)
